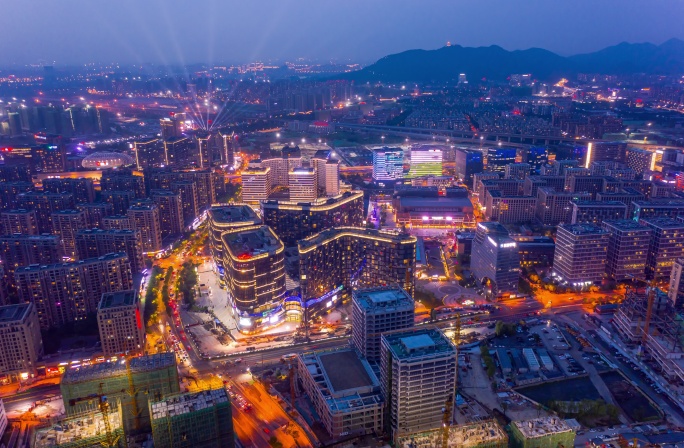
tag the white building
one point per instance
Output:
(256, 185)
(581, 252)
(302, 182)
(20, 342)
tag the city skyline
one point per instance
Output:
(171, 33)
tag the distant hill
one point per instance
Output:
(496, 63)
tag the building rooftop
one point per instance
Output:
(436, 202)
(625, 224)
(302, 170)
(582, 229)
(541, 427)
(38, 267)
(418, 343)
(360, 232)
(233, 214)
(248, 242)
(320, 204)
(322, 154)
(659, 203)
(12, 313)
(345, 370)
(179, 404)
(492, 228)
(382, 298)
(598, 204)
(77, 430)
(663, 223)
(119, 298)
(112, 369)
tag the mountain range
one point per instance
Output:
(494, 62)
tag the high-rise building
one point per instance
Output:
(45, 204)
(82, 188)
(9, 192)
(595, 212)
(123, 180)
(293, 221)
(88, 429)
(195, 419)
(641, 160)
(339, 258)
(517, 171)
(555, 207)
(281, 166)
(509, 209)
(67, 292)
(92, 243)
(49, 156)
(344, 390)
(468, 163)
(605, 151)
(223, 218)
(189, 199)
(499, 158)
(536, 156)
(19, 221)
(65, 224)
(676, 289)
(178, 151)
(657, 208)
(120, 200)
(426, 161)
(254, 263)
(20, 342)
(581, 252)
(495, 260)
(228, 155)
(256, 185)
(332, 177)
(15, 173)
(376, 311)
(22, 250)
(150, 152)
(388, 164)
(120, 321)
(628, 246)
(418, 375)
(117, 222)
(667, 245)
(170, 212)
(302, 184)
(145, 219)
(95, 212)
(152, 377)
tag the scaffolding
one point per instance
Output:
(485, 434)
(86, 431)
(545, 432)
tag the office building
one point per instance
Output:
(67, 292)
(418, 376)
(595, 212)
(344, 391)
(517, 171)
(676, 290)
(581, 252)
(9, 192)
(641, 160)
(376, 311)
(152, 377)
(95, 212)
(585, 184)
(19, 221)
(45, 204)
(22, 250)
(554, 207)
(256, 185)
(20, 342)
(628, 247)
(120, 321)
(426, 161)
(388, 164)
(542, 432)
(332, 177)
(667, 245)
(293, 221)
(189, 199)
(532, 183)
(605, 151)
(66, 223)
(509, 209)
(657, 208)
(535, 156)
(302, 184)
(499, 158)
(145, 219)
(170, 212)
(82, 188)
(342, 257)
(468, 163)
(535, 250)
(495, 261)
(508, 187)
(254, 263)
(93, 243)
(196, 419)
(223, 218)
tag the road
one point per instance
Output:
(20, 402)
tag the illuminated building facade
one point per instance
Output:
(595, 212)
(223, 218)
(302, 184)
(120, 321)
(499, 158)
(495, 260)
(468, 163)
(20, 342)
(256, 185)
(628, 245)
(170, 212)
(293, 221)
(388, 164)
(581, 253)
(145, 219)
(667, 245)
(343, 257)
(254, 262)
(92, 243)
(425, 162)
(19, 221)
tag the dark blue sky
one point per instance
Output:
(188, 31)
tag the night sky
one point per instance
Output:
(238, 31)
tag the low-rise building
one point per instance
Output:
(545, 432)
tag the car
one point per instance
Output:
(267, 431)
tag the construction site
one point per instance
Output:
(545, 432)
(95, 429)
(485, 434)
(130, 384)
(649, 320)
(202, 419)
